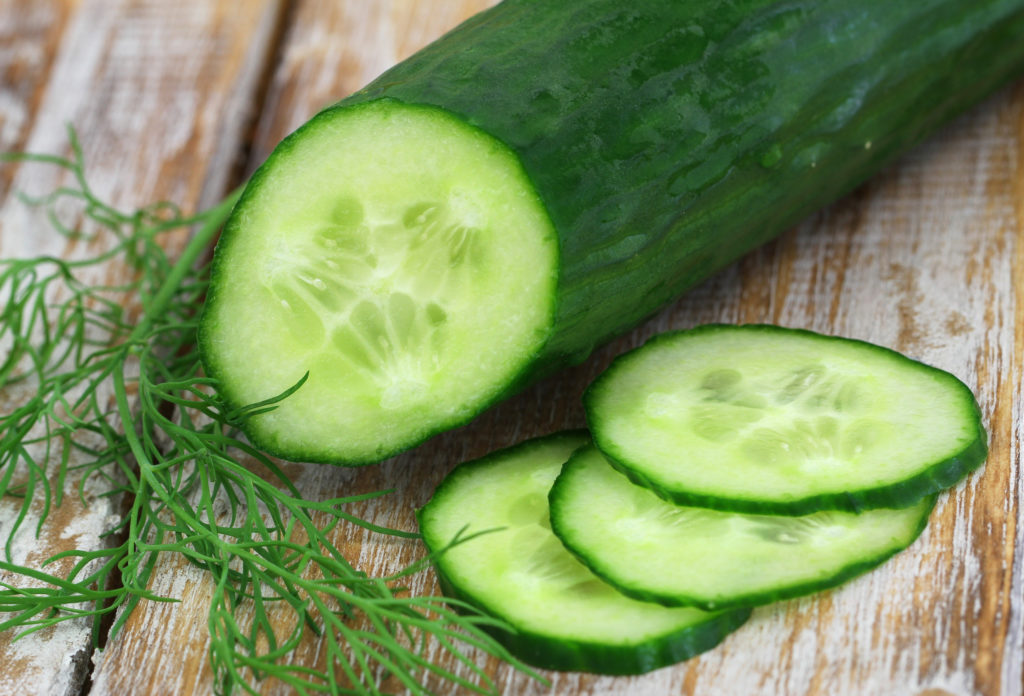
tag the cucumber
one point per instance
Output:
(783, 421)
(688, 556)
(564, 617)
(397, 255)
(544, 177)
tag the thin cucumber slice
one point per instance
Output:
(397, 255)
(565, 618)
(686, 556)
(783, 421)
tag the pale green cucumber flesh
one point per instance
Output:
(564, 617)
(401, 258)
(767, 419)
(687, 556)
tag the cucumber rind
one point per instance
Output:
(930, 480)
(566, 654)
(560, 492)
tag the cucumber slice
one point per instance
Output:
(783, 421)
(383, 243)
(685, 556)
(565, 618)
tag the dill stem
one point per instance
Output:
(197, 245)
(200, 242)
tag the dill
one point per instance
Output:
(113, 376)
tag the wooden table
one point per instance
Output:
(179, 100)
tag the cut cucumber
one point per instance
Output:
(686, 556)
(544, 177)
(386, 244)
(773, 420)
(564, 617)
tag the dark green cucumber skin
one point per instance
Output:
(900, 494)
(666, 139)
(547, 652)
(718, 603)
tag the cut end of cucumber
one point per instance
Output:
(399, 256)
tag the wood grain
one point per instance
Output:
(29, 34)
(927, 258)
(148, 85)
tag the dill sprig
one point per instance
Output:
(116, 395)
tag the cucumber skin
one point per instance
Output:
(666, 139)
(569, 655)
(741, 601)
(933, 480)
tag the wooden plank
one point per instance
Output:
(29, 34)
(923, 259)
(157, 92)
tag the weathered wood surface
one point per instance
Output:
(926, 258)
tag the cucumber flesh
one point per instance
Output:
(565, 618)
(686, 556)
(773, 420)
(383, 244)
